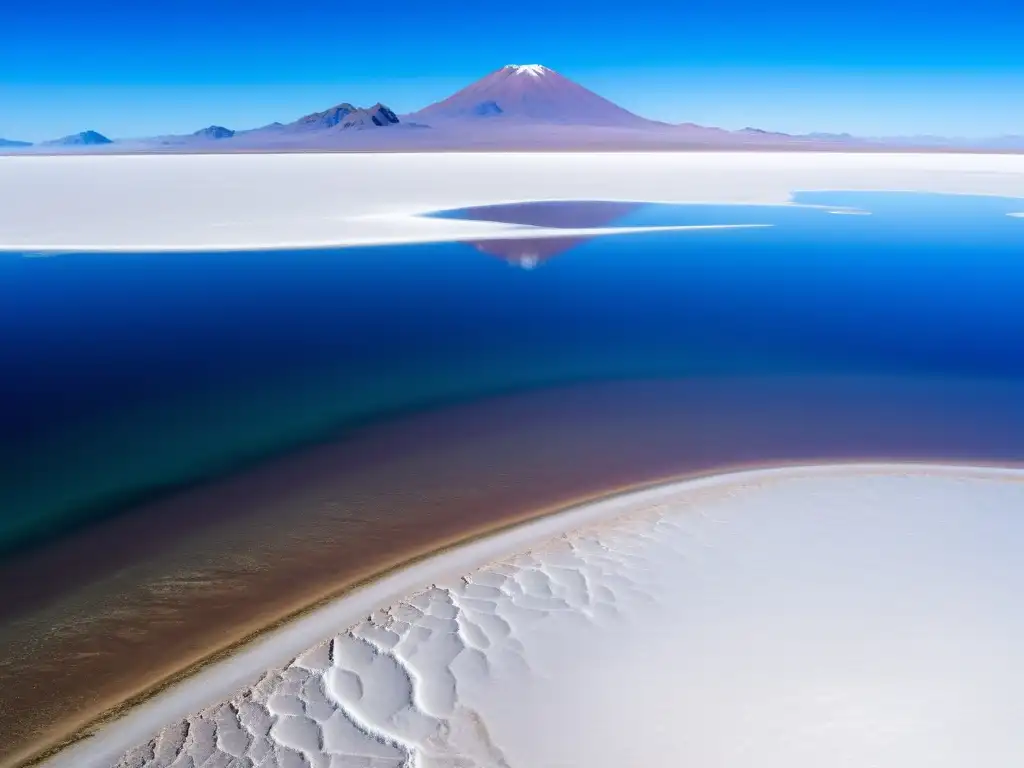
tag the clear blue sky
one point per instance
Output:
(872, 67)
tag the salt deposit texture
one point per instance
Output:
(849, 616)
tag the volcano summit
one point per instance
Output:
(531, 93)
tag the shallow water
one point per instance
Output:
(624, 359)
(127, 374)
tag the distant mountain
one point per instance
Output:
(761, 133)
(197, 140)
(520, 107)
(12, 144)
(85, 138)
(530, 93)
(342, 117)
(317, 130)
(214, 132)
(376, 116)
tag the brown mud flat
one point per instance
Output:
(105, 618)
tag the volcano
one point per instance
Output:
(530, 93)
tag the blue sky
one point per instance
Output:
(871, 67)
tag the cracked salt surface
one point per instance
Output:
(797, 618)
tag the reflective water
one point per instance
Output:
(128, 374)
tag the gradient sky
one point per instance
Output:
(874, 67)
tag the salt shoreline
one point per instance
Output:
(221, 680)
(453, 491)
(148, 203)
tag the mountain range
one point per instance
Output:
(517, 107)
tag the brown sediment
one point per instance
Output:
(105, 715)
(127, 613)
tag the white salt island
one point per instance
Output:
(848, 616)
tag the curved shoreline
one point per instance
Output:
(246, 202)
(220, 679)
(90, 725)
(489, 232)
(309, 526)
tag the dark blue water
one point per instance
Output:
(124, 375)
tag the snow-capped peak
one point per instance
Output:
(533, 70)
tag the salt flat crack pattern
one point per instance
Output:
(832, 616)
(386, 693)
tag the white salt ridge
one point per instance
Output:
(841, 616)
